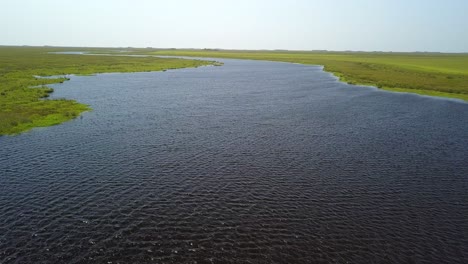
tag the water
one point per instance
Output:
(252, 162)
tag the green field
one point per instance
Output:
(23, 93)
(435, 74)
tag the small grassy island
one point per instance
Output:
(23, 91)
(434, 74)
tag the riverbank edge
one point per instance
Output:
(340, 75)
(77, 108)
(349, 80)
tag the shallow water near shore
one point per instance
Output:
(251, 162)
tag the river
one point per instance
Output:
(251, 162)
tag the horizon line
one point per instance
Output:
(234, 49)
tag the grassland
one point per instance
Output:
(23, 93)
(434, 74)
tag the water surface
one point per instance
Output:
(251, 162)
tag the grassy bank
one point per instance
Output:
(434, 74)
(23, 94)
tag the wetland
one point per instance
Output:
(251, 162)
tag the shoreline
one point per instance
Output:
(368, 69)
(24, 94)
(431, 93)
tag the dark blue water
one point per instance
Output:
(251, 162)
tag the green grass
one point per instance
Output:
(434, 74)
(23, 95)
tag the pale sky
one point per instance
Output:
(368, 25)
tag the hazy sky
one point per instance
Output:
(387, 25)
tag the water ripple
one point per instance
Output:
(252, 162)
